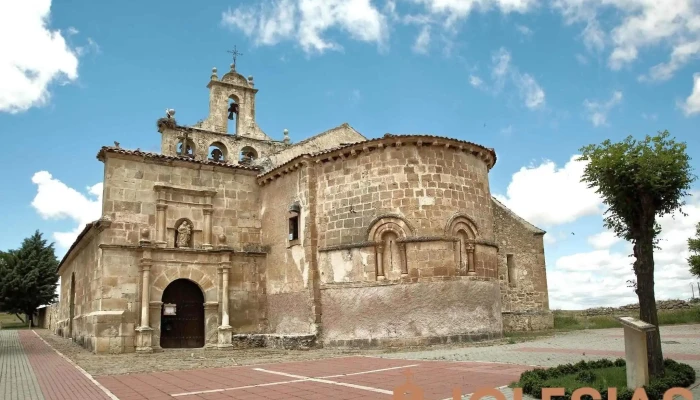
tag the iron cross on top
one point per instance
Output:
(235, 54)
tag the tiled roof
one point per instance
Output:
(119, 150)
(375, 140)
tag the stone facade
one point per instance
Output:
(335, 240)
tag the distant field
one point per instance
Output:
(10, 321)
(576, 320)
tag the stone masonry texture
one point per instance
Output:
(398, 238)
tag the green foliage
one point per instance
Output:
(28, 276)
(635, 178)
(694, 247)
(601, 375)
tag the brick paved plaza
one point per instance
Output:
(31, 369)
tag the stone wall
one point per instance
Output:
(289, 296)
(426, 185)
(48, 317)
(418, 313)
(133, 184)
(81, 295)
(415, 194)
(522, 272)
(661, 305)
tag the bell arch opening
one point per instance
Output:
(182, 315)
(234, 106)
(218, 152)
(247, 155)
(188, 151)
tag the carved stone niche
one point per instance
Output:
(184, 234)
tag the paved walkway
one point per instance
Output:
(17, 379)
(31, 370)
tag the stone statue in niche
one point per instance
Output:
(184, 233)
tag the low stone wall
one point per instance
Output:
(47, 317)
(283, 342)
(663, 305)
(519, 321)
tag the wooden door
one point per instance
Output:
(185, 329)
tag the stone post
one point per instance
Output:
(636, 351)
(144, 333)
(225, 329)
(160, 221)
(470, 257)
(380, 262)
(207, 229)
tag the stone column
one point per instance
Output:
(225, 329)
(471, 271)
(160, 221)
(156, 308)
(403, 261)
(380, 262)
(144, 333)
(207, 228)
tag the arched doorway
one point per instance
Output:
(184, 329)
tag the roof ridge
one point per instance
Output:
(527, 224)
(148, 154)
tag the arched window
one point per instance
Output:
(464, 230)
(386, 231)
(218, 152)
(391, 259)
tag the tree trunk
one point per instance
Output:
(18, 317)
(644, 269)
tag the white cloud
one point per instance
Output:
(306, 21)
(475, 81)
(530, 90)
(524, 30)
(32, 57)
(691, 105)
(593, 36)
(599, 277)
(55, 200)
(504, 72)
(603, 240)
(639, 24)
(422, 41)
(547, 196)
(680, 56)
(598, 112)
(652, 117)
(581, 59)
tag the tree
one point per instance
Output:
(640, 181)
(28, 277)
(694, 247)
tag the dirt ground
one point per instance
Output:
(187, 359)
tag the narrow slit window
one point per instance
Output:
(294, 227)
(511, 268)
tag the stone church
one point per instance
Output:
(229, 239)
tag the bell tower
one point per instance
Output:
(232, 105)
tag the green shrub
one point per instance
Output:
(601, 374)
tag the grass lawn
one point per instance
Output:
(10, 321)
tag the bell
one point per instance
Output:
(230, 115)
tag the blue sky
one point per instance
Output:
(535, 80)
